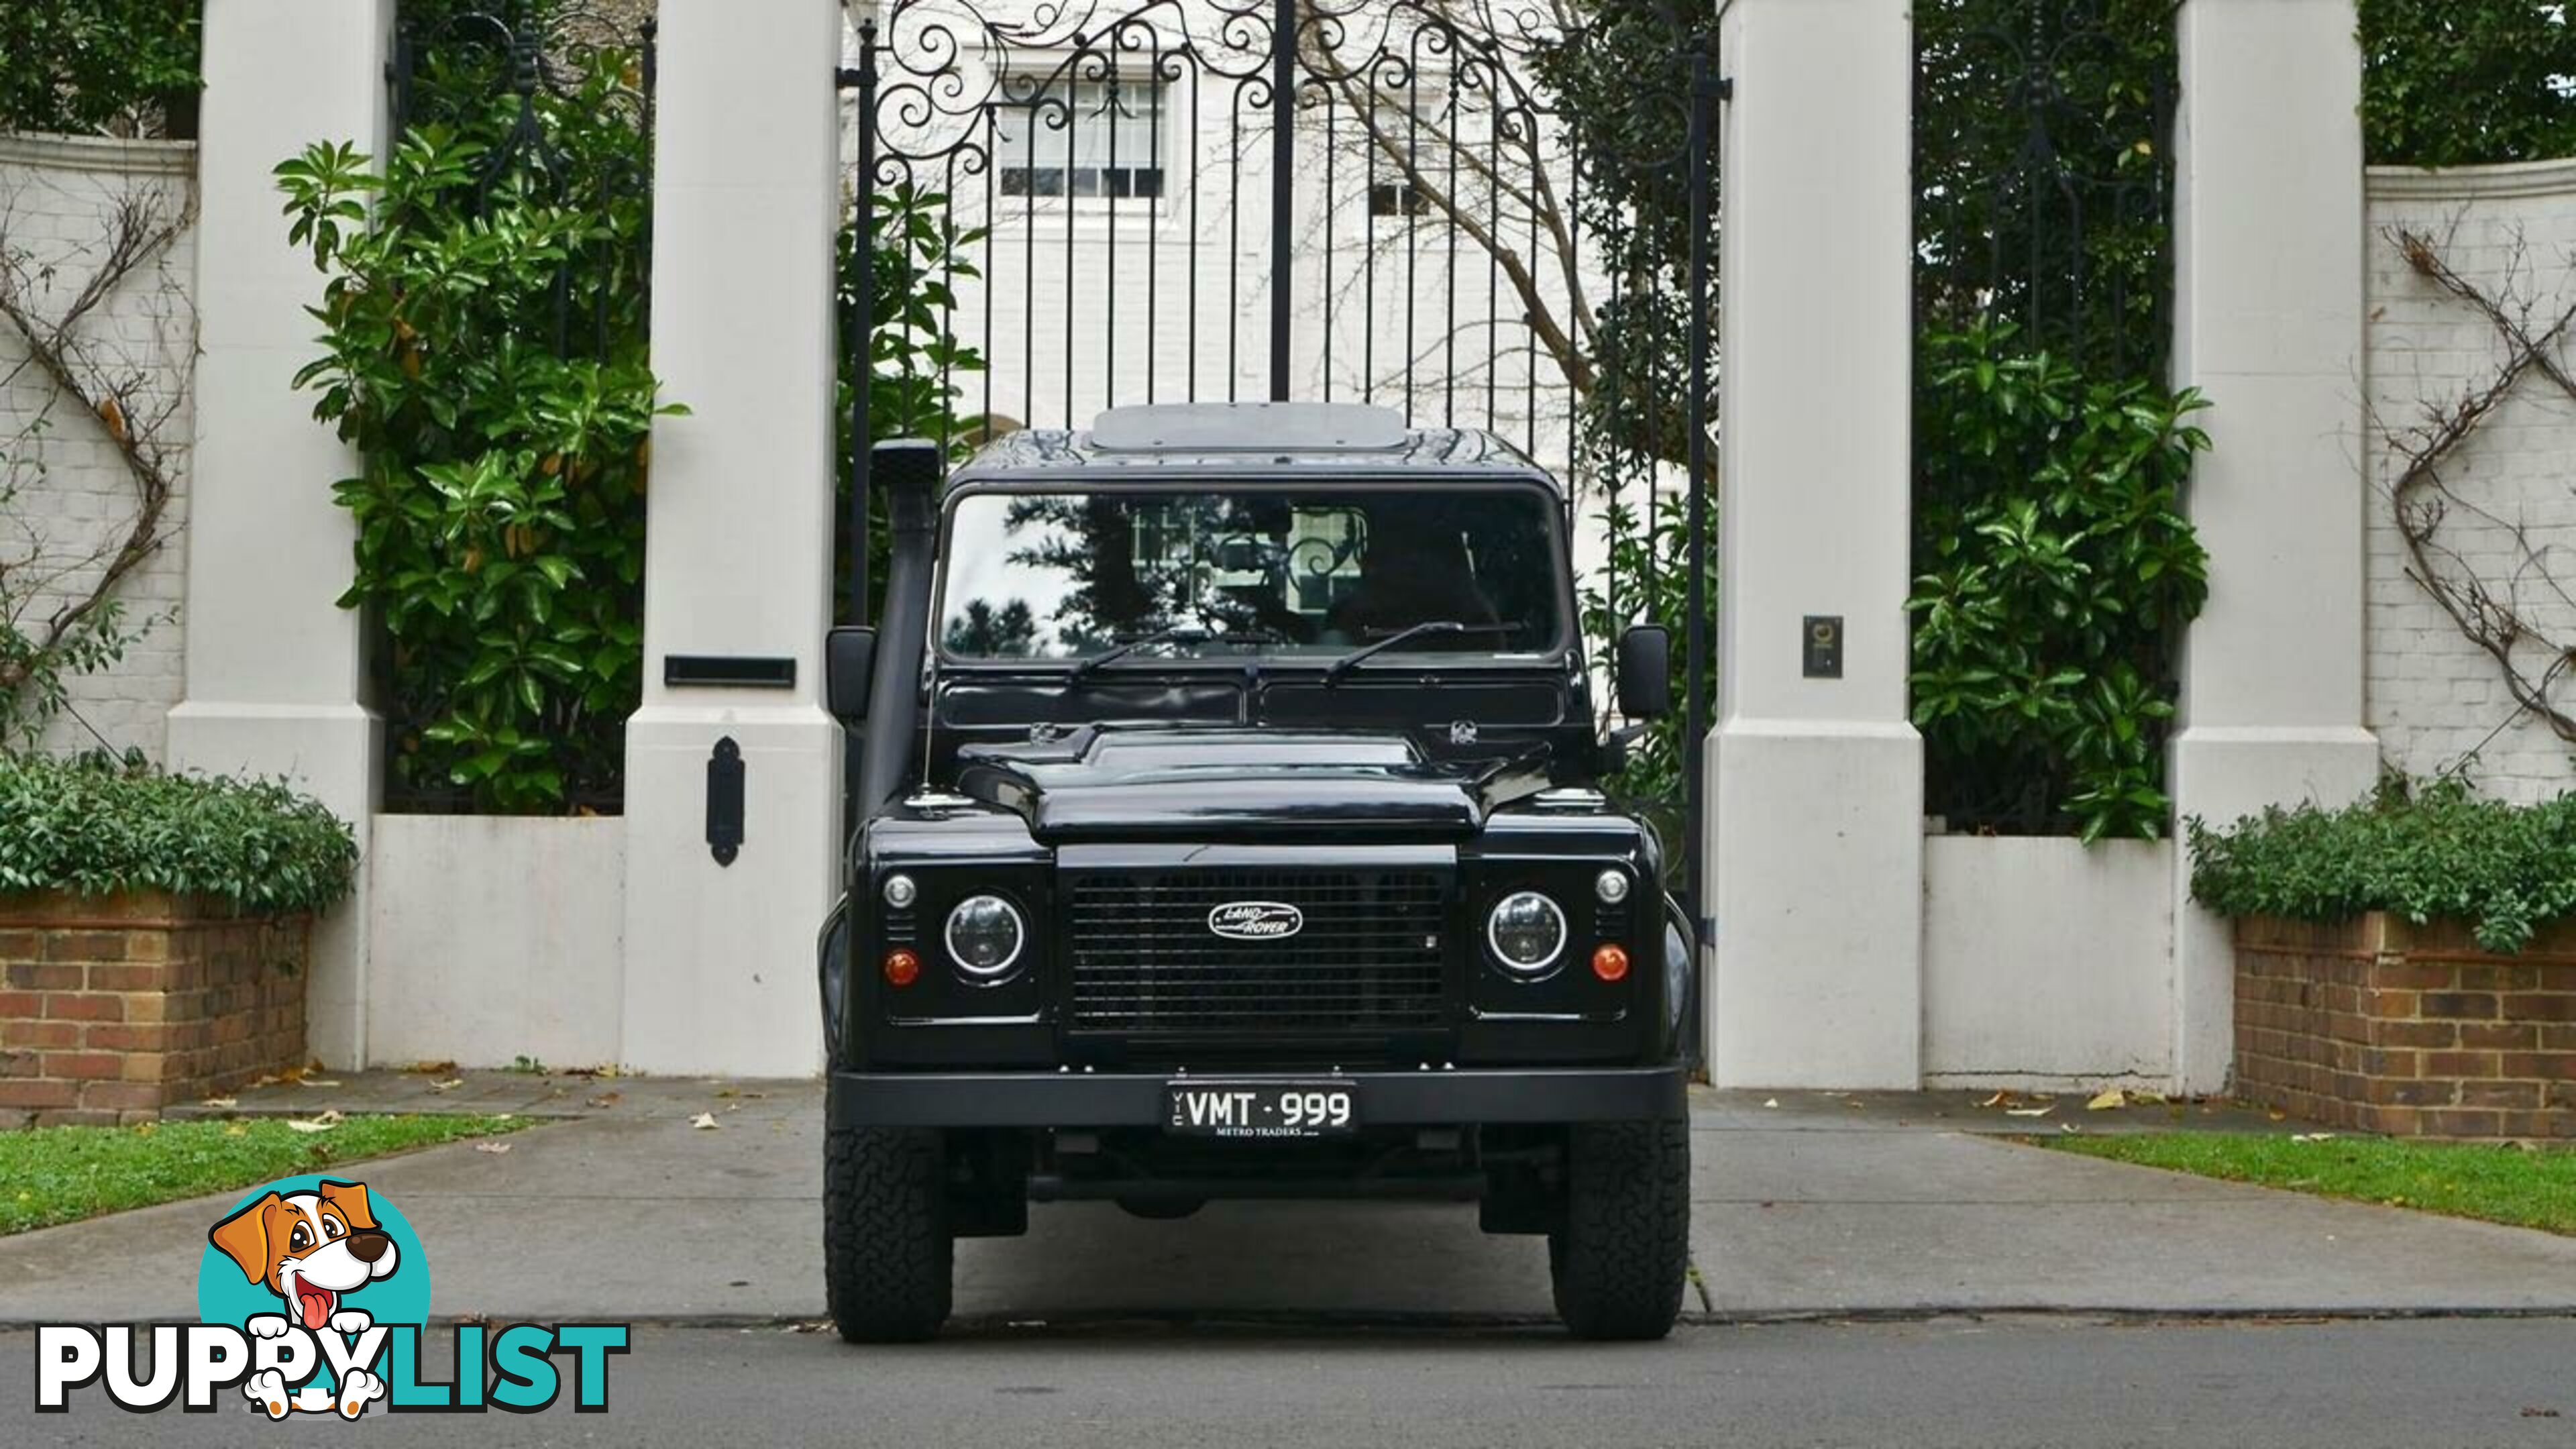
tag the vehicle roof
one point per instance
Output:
(1316, 439)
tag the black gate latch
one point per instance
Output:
(724, 801)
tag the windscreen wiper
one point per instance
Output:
(1177, 634)
(1333, 672)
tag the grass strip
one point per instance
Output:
(51, 1175)
(2524, 1187)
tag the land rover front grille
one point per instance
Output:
(1365, 956)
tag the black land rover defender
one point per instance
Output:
(1227, 830)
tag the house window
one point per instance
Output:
(1100, 138)
(1392, 135)
(1391, 195)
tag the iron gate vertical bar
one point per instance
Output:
(399, 77)
(1283, 190)
(653, 142)
(862, 316)
(1704, 93)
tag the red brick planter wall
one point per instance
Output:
(112, 1008)
(2381, 1026)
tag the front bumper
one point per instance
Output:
(1135, 1099)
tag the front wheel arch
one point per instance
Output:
(832, 976)
(1681, 977)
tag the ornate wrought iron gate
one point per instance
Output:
(1115, 201)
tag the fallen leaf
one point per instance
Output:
(606, 1099)
(495, 1148)
(2030, 1111)
(431, 1069)
(705, 1122)
(314, 1082)
(450, 1085)
(221, 1104)
(2108, 1101)
(2312, 1137)
(238, 1129)
(1999, 1099)
(1771, 1102)
(323, 1123)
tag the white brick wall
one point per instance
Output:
(56, 195)
(2437, 701)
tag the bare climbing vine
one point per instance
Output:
(61, 614)
(2498, 611)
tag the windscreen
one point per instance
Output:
(1242, 572)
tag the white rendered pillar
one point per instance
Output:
(2269, 236)
(276, 669)
(720, 959)
(1816, 784)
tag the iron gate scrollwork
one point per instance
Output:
(1340, 200)
(500, 77)
(2044, 193)
(2044, 173)
(465, 59)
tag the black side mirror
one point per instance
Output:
(1646, 671)
(849, 663)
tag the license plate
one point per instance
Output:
(1260, 1109)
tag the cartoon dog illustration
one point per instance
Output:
(310, 1249)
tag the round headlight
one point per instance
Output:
(900, 892)
(1612, 887)
(1526, 930)
(984, 936)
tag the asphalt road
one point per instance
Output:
(2418, 1384)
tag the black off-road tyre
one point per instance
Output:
(887, 1250)
(1621, 1262)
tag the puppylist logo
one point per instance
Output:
(314, 1296)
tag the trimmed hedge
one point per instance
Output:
(94, 828)
(2467, 82)
(2438, 853)
(97, 65)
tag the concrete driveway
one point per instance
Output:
(1817, 1206)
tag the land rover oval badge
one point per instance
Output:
(1256, 920)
